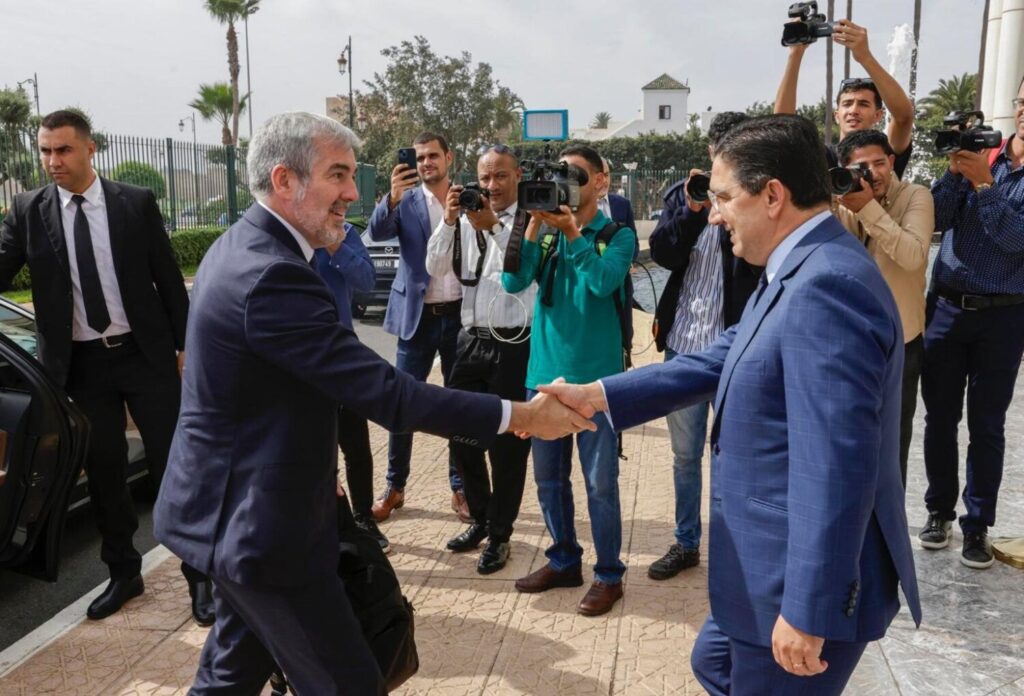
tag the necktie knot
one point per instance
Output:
(79, 199)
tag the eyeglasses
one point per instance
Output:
(853, 83)
(717, 198)
(1018, 103)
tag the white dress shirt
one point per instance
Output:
(485, 305)
(779, 254)
(95, 208)
(445, 288)
(605, 206)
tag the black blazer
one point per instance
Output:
(152, 289)
(671, 243)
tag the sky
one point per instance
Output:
(134, 65)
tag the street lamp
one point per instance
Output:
(35, 88)
(345, 64)
(248, 80)
(195, 157)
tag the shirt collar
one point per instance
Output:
(511, 210)
(778, 256)
(307, 250)
(92, 195)
(597, 222)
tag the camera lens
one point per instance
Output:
(697, 187)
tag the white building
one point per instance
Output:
(664, 111)
(1004, 63)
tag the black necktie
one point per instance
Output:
(762, 285)
(96, 314)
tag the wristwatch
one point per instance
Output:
(982, 187)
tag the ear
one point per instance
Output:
(892, 161)
(283, 181)
(91, 147)
(776, 196)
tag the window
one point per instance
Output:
(664, 113)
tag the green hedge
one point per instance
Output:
(189, 246)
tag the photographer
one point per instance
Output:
(974, 336)
(861, 102)
(493, 346)
(704, 295)
(577, 335)
(895, 220)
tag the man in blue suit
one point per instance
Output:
(423, 311)
(249, 492)
(808, 531)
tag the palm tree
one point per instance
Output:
(913, 53)
(216, 102)
(601, 120)
(228, 12)
(955, 94)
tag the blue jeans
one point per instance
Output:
(435, 334)
(687, 431)
(599, 458)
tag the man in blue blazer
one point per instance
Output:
(423, 312)
(249, 493)
(808, 530)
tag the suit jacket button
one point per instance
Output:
(849, 611)
(717, 450)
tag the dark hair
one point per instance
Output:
(722, 124)
(784, 147)
(587, 153)
(856, 84)
(428, 137)
(67, 117)
(862, 138)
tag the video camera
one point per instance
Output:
(846, 179)
(551, 184)
(963, 132)
(811, 25)
(472, 196)
(697, 187)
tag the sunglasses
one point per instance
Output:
(856, 83)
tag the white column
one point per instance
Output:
(1011, 65)
(995, 15)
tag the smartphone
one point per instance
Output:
(407, 156)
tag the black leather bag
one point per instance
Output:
(384, 613)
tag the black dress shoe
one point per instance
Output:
(494, 558)
(113, 598)
(469, 539)
(202, 602)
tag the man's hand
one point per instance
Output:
(694, 205)
(856, 199)
(973, 165)
(483, 219)
(562, 220)
(451, 205)
(853, 37)
(547, 418)
(795, 651)
(181, 365)
(402, 179)
(585, 399)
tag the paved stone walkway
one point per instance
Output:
(477, 635)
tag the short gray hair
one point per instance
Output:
(290, 139)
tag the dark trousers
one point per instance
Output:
(492, 367)
(310, 631)
(725, 666)
(354, 440)
(434, 334)
(101, 382)
(913, 353)
(981, 351)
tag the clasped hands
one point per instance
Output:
(559, 409)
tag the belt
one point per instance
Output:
(440, 309)
(107, 342)
(975, 302)
(509, 334)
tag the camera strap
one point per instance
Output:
(548, 243)
(481, 244)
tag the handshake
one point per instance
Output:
(559, 409)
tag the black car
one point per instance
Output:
(43, 439)
(385, 262)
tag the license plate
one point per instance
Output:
(385, 263)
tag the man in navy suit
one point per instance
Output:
(249, 493)
(423, 311)
(808, 529)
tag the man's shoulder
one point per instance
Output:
(26, 199)
(128, 190)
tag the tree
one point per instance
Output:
(601, 120)
(15, 108)
(228, 12)
(216, 102)
(955, 94)
(140, 174)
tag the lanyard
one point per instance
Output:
(481, 244)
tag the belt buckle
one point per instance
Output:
(964, 306)
(108, 344)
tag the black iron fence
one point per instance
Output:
(196, 185)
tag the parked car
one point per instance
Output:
(385, 262)
(43, 439)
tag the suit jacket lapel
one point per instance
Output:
(422, 213)
(113, 198)
(51, 214)
(261, 219)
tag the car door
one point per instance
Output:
(43, 439)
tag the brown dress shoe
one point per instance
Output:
(460, 507)
(391, 500)
(545, 578)
(600, 598)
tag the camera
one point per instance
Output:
(965, 130)
(697, 187)
(810, 26)
(846, 179)
(472, 196)
(551, 184)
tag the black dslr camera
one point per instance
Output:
(963, 132)
(551, 184)
(697, 187)
(472, 196)
(811, 24)
(846, 179)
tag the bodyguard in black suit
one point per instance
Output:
(110, 308)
